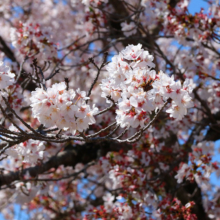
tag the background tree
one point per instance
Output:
(109, 109)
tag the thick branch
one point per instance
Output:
(70, 157)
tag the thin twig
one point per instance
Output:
(21, 120)
(98, 73)
(43, 79)
(121, 135)
(102, 130)
(21, 68)
(107, 109)
(4, 149)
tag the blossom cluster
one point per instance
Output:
(15, 97)
(128, 29)
(28, 152)
(8, 90)
(139, 90)
(31, 39)
(66, 109)
(201, 165)
(135, 183)
(123, 172)
(6, 77)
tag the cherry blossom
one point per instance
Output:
(128, 29)
(140, 88)
(109, 109)
(65, 109)
(6, 77)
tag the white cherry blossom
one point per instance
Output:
(65, 109)
(6, 77)
(138, 90)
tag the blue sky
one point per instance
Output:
(196, 5)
